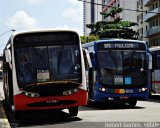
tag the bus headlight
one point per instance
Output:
(71, 91)
(102, 89)
(31, 94)
(144, 89)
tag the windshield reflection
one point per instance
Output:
(122, 67)
(48, 63)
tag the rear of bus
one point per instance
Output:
(48, 71)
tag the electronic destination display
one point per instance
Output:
(121, 45)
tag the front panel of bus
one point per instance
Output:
(122, 69)
(48, 70)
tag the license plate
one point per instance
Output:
(50, 101)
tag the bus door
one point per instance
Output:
(88, 68)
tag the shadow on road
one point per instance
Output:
(155, 99)
(107, 106)
(39, 118)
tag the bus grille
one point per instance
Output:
(45, 104)
(51, 89)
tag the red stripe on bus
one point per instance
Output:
(21, 101)
(156, 82)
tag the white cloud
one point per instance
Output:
(22, 20)
(70, 13)
(74, 13)
(61, 27)
(75, 2)
(33, 1)
(67, 27)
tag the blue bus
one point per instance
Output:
(120, 70)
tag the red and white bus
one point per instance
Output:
(155, 74)
(44, 69)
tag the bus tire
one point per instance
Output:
(17, 114)
(73, 111)
(9, 98)
(90, 103)
(132, 103)
(6, 99)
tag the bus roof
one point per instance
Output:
(37, 31)
(42, 30)
(154, 48)
(111, 40)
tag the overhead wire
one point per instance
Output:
(118, 7)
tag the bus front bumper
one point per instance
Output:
(102, 96)
(22, 102)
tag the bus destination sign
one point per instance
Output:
(121, 45)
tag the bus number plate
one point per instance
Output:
(52, 101)
(129, 91)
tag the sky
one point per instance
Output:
(39, 14)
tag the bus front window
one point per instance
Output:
(65, 62)
(30, 62)
(116, 67)
(49, 63)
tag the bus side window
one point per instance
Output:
(87, 59)
(0, 75)
(91, 54)
(153, 60)
(158, 60)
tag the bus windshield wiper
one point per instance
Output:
(60, 57)
(51, 82)
(57, 82)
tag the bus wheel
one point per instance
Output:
(90, 103)
(17, 114)
(132, 103)
(73, 111)
(6, 95)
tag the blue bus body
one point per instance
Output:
(119, 70)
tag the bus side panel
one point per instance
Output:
(23, 102)
(156, 81)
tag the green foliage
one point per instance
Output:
(112, 12)
(113, 29)
(85, 39)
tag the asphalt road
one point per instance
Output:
(100, 115)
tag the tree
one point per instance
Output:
(113, 29)
(91, 37)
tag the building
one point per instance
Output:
(133, 11)
(142, 26)
(152, 17)
(91, 13)
(126, 14)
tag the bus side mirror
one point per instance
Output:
(150, 61)
(87, 59)
(8, 57)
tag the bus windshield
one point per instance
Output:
(122, 67)
(48, 63)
